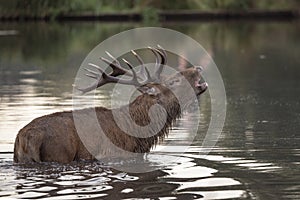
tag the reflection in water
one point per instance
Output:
(256, 157)
(91, 180)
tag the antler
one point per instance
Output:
(163, 61)
(143, 75)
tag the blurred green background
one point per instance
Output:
(53, 8)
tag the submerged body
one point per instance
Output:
(55, 138)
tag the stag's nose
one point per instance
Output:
(202, 87)
(201, 84)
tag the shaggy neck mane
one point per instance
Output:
(138, 111)
(131, 129)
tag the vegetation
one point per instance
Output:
(148, 8)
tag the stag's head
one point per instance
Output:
(153, 86)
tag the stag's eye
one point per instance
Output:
(151, 90)
(174, 82)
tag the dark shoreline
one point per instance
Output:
(184, 15)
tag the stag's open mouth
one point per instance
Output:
(201, 87)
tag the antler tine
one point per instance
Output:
(87, 89)
(99, 77)
(102, 79)
(91, 71)
(117, 69)
(97, 67)
(158, 66)
(134, 75)
(161, 65)
(92, 76)
(106, 78)
(164, 53)
(143, 71)
(112, 57)
(138, 57)
(156, 57)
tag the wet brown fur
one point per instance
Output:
(54, 138)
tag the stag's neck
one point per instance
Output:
(140, 110)
(127, 130)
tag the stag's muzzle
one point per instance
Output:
(201, 85)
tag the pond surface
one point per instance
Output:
(256, 157)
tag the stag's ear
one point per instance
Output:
(153, 91)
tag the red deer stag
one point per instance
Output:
(54, 137)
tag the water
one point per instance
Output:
(256, 157)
